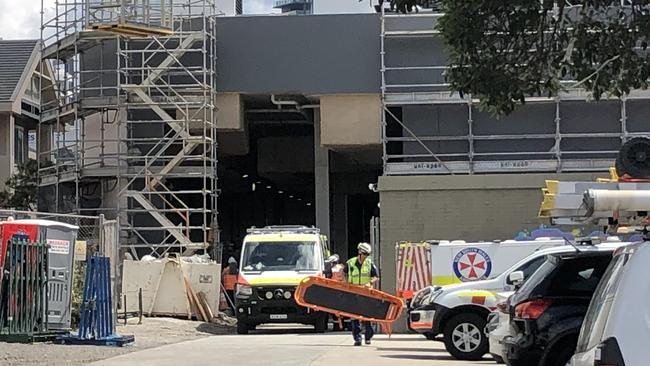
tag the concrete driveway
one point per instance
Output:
(279, 347)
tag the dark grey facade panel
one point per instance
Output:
(318, 54)
(581, 117)
(438, 120)
(99, 70)
(526, 134)
(526, 119)
(638, 115)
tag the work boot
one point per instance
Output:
(368, 341)
(357, 343)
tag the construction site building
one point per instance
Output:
(342, 121)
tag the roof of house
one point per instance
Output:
(16, 56)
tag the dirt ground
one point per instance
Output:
(153, 332)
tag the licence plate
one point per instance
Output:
(278, 316)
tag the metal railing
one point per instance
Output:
(417, 146)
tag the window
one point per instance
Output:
(280, 256)
(596, 318)
(531, 266)
(19, 146)
(577, 277)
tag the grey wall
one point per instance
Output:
(318, 54)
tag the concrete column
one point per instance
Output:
(7, 125)
(339, 229)
(321, 178)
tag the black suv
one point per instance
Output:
(548, 310)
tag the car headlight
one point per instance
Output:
(243, 291)
(268, 295)
(287, 295)
(431, 297)
(420, 296)
(436, 294)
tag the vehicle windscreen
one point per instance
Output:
(594, 325)
(567, 277)
(280, 256)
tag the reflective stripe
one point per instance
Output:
(445, 280)
(421, 325)
(475, 293)
(273, 281)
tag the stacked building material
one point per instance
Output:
(97, 323)
(23, 291)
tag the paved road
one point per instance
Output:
(277, 347)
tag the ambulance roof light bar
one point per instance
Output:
(276, 229)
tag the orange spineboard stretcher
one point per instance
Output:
(351, 301)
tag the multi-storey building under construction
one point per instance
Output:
(131, 113)
(309, 112)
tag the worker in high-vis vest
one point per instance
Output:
(229, 279)
(362, 272)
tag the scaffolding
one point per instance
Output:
(128, 127)
(413, 65)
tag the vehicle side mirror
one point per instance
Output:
(516, 278)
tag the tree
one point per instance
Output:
(21, 188)
(503, 51)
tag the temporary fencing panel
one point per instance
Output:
(7, 231)
(413, 268)
(23, 305)
(97, 308)
(60, 238)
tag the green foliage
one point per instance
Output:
(21, 188)
(78, 277)
(503, 51)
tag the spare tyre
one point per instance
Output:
(634, 158)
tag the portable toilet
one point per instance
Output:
(61, 238)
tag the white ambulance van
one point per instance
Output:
(458, 261)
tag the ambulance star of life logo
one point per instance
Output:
(472, 264)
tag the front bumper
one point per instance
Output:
(497, 329)
(426, 319)
(257, 309)
(520, 350)
(421, 321)
(275, 311)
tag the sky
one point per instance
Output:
(21, 19)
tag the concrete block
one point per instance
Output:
(350, 119)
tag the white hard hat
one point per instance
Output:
(365, 248)
(232, 260)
